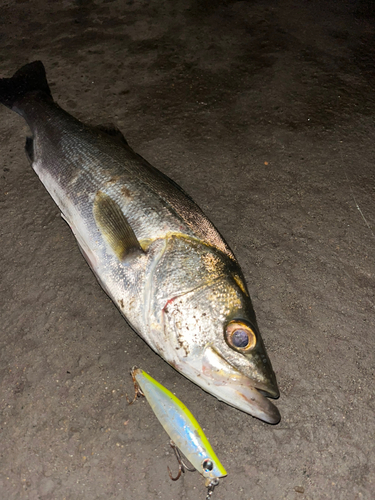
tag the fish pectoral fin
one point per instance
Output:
(114, 226)
(113, 132)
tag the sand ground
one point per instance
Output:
(263, 112)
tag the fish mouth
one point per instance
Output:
(228, 384)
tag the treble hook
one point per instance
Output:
(182, 467)
(137, 390)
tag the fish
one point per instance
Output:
(181, 426)
(157, 256)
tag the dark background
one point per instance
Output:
(263, 112)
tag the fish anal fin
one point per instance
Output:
(114, 226)
(113, 132)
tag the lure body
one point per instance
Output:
(181, 426)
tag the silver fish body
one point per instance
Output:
(152, 249)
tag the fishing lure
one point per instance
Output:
(183, 429)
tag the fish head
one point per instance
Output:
(214, 340)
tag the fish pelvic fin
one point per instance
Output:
(114, 226)
(29, 78)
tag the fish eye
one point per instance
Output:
(207, 465)
(240, 336)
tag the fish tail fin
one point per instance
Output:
(29, 78)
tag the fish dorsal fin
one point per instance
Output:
(113, 132)
(114, 226)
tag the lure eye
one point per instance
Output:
(240, 336)
(208, 465)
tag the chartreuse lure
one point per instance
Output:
(183, 429)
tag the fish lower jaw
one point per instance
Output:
(247, 399)
(237, 393)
